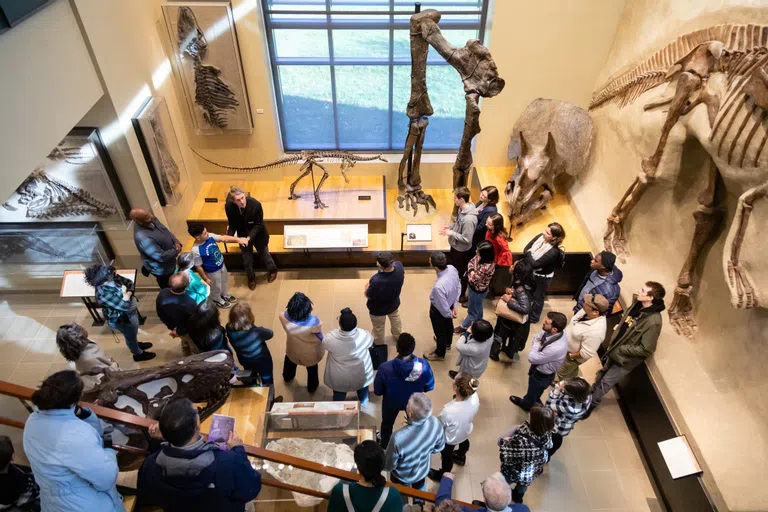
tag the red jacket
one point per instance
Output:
(501, 246)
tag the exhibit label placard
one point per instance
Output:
(325, 236)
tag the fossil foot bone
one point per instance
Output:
(614, 239)
(742, 287)
(681, 313)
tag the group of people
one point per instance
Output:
(68, 450)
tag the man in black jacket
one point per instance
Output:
(175, 309)
(246, 218)
(190, 474)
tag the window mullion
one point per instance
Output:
(390, 142)
(333, 75)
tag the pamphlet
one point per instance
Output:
(221, 427)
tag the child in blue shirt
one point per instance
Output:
(209, 262)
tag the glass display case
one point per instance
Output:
(322, 432)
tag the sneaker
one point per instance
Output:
(459, 460)
(435, 475)
(231, 299)
(144, 356)
(223, 304)
(145, 345)
(432, 356)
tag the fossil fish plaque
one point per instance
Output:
(76, 182)
(161, 150)
(207, 58)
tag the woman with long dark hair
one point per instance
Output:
(366, 494)
(65, 447)
(499, 238)
(304, 340)
(546, 257)
(510, 335)
(486, 207)
(74, 345)
(114, 293)
(479, 274)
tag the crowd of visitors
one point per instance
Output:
(74, 468)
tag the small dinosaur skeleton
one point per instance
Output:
(481, 78)
(723, 71)
(213, 95)
(309, 159)
(13, 243)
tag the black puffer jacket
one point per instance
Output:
(521, 300)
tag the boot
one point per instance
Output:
(252, 281)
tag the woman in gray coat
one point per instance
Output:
(74, 345)
(474, 347)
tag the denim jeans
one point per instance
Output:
(537, 383)
(475, 307)
(362, 395)
(129, 327)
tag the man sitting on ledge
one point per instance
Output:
(496, 494)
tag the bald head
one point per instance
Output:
(496, 492)
(178, 282)
(142, 216)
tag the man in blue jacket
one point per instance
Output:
(397, 380)
(603, 279)
(189, 474)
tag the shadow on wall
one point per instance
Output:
(308, 122)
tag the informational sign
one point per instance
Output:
(418, 232)
(679, 457)
(325, 236)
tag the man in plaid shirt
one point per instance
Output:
(570, 400)
(115, 295)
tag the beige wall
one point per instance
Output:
(59, 79)
(713, 384)
(543, 49)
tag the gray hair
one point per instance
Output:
(419, 407)
(496, 492)
(235, 190)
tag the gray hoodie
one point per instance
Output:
(462, 230)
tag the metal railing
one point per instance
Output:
(24, 394)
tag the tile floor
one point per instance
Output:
(598, 467)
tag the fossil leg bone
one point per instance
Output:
(614, 238)
(739, 281)
(318, 202)
(707, 217)
(305, 169)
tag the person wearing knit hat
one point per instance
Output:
(348, 367)
(603, 279)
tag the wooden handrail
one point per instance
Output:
(25, 393)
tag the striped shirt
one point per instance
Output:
(568, 411)
(410, 448)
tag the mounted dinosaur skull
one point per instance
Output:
(202, 378)
(533, 183)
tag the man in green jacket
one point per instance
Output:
(634, 340)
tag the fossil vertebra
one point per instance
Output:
(309, 159)
(211, 92)
(722, 70)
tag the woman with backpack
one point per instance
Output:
(546, 256)
(371, 493)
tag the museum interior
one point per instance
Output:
(179, 171)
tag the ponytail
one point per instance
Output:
(466, 385)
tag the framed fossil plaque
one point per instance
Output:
(76, 182)
(54, 243)
(161, 150)
(207, 58)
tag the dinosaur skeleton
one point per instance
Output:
(309, 159)
(213, 95)
(170, 177)
(723, 70)
(46, 197)
(481, 79)
(13, 243)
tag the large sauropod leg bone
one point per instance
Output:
(615, 239)
(739, 281)
(707, 217)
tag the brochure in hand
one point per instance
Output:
(221, 427)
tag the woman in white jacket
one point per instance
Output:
(348, 367)
(456, 417)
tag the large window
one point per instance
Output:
(342, 72)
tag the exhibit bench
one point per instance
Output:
(279, 211)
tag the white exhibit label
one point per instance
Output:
(679, 458)
(325, 236)
(418, 232)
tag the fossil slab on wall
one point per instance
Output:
(161, 150)
(207, 59)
